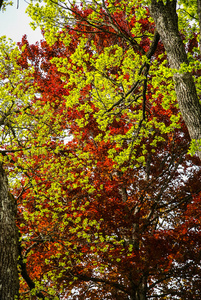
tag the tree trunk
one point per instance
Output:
(9, 282)
(166, 21)
(139, 291)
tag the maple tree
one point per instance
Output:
(110, 215)
(107, 192)
(170, 16)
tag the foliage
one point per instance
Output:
(108, 198)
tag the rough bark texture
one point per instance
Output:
(9, 284)
(166, 21)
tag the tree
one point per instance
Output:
(20, 122)
(10, 120)
(167, 24)
(166, 20)
(110, 212)
(9, 243)
(97, 158)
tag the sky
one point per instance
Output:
(14, 23)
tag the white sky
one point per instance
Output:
(14, 23)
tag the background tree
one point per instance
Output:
(21, 135)
(12, 105)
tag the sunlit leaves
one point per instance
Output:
(106, 189)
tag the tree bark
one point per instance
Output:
(9, 282)
(140, 293)
(166, 21)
